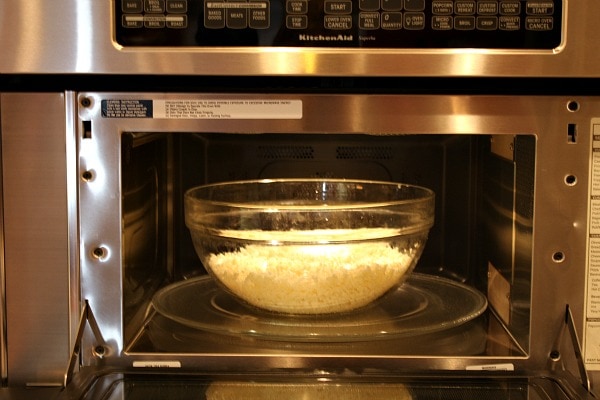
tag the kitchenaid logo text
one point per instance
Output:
(325, 38)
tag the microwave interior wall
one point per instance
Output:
(482, 235)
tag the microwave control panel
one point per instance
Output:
(412, 24)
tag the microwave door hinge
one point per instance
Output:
(570, 326)
(86, 317)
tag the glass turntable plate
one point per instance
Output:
(423, 304)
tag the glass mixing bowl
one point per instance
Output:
(309, 246)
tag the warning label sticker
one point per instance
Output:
(203, 109)
(126, 108)
(228, 109)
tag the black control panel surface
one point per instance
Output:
(410, 24)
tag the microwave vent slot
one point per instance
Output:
(286, 152)
(364, 152)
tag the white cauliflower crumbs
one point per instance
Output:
(312, 278)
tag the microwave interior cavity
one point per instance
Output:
(481, 239)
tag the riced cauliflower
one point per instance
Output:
(311, 278)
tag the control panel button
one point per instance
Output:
(391, 20)
(154, 6)
(539, 23)
(132, 21)
(465, 7)
(260, 15)
(487, 7)
(132, 6)
(509, 23)
(414, 5)
(464, 23)
(176, 21)
(391, 5)
(236, 18)
(176, 6)
(214, 17)
(338, 6)
(414, 21)
(510, 7)
(335, 22)
(154, 22)
(369, 20)
(296, 6)
(487, 23)
(540, 7)
(442, 7)
(368, 5)
(296, 22)
(442, 23)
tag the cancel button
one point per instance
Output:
(539, 23)
(339, 23)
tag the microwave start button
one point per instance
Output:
(540, 7)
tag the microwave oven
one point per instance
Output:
(502, 282)
(111, 111)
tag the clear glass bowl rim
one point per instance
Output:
(424, 194)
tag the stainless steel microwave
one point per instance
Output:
(111, 111)
(94, 237)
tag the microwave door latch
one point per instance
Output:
(87, 316)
